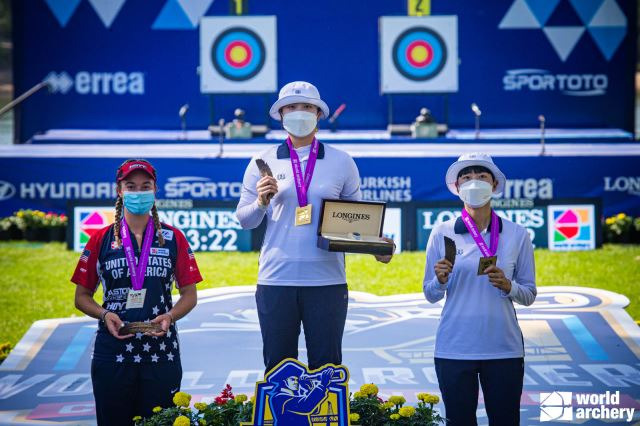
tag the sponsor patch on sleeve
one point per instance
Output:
(191, 256)
(84, 257)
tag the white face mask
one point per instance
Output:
(300, 123)
(475, 193)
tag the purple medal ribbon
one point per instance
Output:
(475, 234)
(302, 184)
(137, 271)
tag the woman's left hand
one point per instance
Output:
(497, 278)
(165, 321)
(386, 258)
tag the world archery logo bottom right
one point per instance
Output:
(559, 406)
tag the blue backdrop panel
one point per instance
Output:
(49, 183)
(133, 66)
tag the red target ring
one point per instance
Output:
(238, 54)
(419, 53)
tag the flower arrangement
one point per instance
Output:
(367, 408)
(622, 229)
(34, 225)
(228, 409)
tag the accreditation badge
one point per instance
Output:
(485, 262)
(303, 215)
(135, 299)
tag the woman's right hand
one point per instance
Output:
(267, 187)
(442, 269)
(114, 324)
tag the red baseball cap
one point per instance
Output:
(130, 167)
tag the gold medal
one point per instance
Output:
(485, 262)
(303, 215)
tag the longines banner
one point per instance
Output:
(573, 61)
(577, 341)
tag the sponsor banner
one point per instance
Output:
(573, 61)
(211, 228)
(577, 340)
(557, 227)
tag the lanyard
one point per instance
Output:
(137, 271)
(475, 234)
(303, 183)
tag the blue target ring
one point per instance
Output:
(419, 53)
(238, 54)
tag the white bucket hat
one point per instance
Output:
(298, 92)
(474, 159)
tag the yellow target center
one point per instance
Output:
(419, 54)
(238, 54)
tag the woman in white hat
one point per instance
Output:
(298, 283)
(489, 266)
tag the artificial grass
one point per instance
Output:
(35, 277)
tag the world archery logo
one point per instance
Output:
(89, 220)
(419, 53)
(238, 54)
(565, 21)
(291, 394)
(571, 227)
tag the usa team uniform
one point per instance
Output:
(144, 369)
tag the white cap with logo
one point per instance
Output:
(298, 92)
(474, 159)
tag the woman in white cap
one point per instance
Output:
(299, 283)
(489, 266)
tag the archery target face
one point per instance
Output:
(237, 54)
(419, 54)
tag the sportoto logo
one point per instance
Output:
(556, 406)
(238, 54)
(419, 53)
(7, 190)
(174, 15)
(602, 19)
(571, 227)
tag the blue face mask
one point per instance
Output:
(139, 202)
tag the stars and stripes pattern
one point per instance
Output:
(84, 257)
(138, 352)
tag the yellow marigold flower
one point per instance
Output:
(359, 395)
(200, 406)
(182, 399)
(407, 411)
(20, 214)
(137, 418)
(610, 220)
(621, 215)
(240, 398)
(369, 389)
(354, 417)
(433, 399)
(157, 409)
(181, 421)
(253, 399)
(388, 405)
(397, 400)
(394, 416)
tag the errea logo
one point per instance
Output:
(96, 83)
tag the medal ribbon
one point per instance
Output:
(137, 271)
(303, 183)
(475, 234)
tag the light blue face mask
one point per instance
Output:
(139, 202)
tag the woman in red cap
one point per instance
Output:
(136, 260)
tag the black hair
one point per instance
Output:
(475, 169)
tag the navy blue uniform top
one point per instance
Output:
(104, 263)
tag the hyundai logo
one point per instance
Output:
(7, 190)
